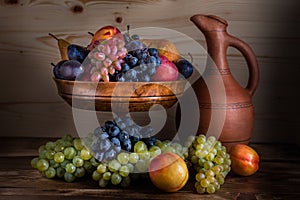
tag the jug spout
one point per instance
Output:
(207, 23)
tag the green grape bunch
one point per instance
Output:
(66, 158)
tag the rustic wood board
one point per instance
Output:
(277, 178)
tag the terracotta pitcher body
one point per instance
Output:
(234, 103)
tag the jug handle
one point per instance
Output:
(251, 60)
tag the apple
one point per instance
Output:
(244, 160)
(166, 71)
(104, 33)
(168, 172)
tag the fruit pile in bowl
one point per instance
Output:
(151, 68)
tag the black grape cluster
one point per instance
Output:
(139, 63)
(119, 134)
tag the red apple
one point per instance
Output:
(105, 33)
(166, 71)
(244, 160)
(168, 172)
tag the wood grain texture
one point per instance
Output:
(29, 104)
(277, 178)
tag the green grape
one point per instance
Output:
(210, 189)
(216, 169)
(211, 179)
(178, 147)
(34, 162)
(123, 158)
(144, 155)
(43, 153)
(85, 154)
(96, 176)
(208, 165)
(204, 183)
(77, 143)
(88, 166)
(221, 153)
(59, 157)
(102, 168)
(218, 160)
(141, 166)
(41, 148)
(50, 154)
(227, 161)
(216, 185)
(114, 165)
(64, 163)
(133, 158)
(116, 179)
(130, 167)
(59, 148)
(60, 172)
(50, 145)
(42, 165)
(194, 159)
(154, 151)
(78, 161)
(94, 162)
(125, 182)
(200, 176)
(124, 171)
(103, 183)
(50, 172)
(69, 177)
(209, 173)
(199, 188)
(210, 156)
(80, 172)
(168, 149)
(220, 178)
(67, 137)
(70, 168)
(53, 164)
(140, 147)
(106, 176)
(70, 153)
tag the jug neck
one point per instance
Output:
(217, 48)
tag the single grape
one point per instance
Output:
(80, 172)
(60, 172)
(106, 176)
(124, 171)
(103, 183)
(59, 157)
(123, 158)
(114, 165)
(133, 158)
(102, 168)
(54, 164)
(96, 176)
(78, 161)
(34, 162)
(77, 143)
(69, 177)
(116, 179)
(42, 165)
(70, 152)
(50, 145)
(70, 168)
(50, 172)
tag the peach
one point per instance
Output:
(104, 33)
(244, 160)
(168, 172)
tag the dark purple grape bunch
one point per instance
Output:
(139, 63)
(117, 135)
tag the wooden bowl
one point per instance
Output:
(127, 96)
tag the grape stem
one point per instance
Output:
(92, 34)
(53, 36)
(53, 64)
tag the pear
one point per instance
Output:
(63, 47)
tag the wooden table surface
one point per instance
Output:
(277, 178)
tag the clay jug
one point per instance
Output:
(235, 102)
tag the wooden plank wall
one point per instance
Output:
(30, 106)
